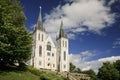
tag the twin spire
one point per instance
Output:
(39, 25)
(39, 22)
(61, 32)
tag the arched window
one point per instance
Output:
(66, 44)
(64, 56)
(42, 37)
(40, 50)
(40, 63)
(48, 64)
(39, 36)
(49, 46)
(48, 53)
(63, 43)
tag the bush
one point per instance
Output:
(34, 71)
(44, 77)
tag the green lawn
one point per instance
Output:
(18, 76)
(29, 74)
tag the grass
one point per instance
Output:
(18, 76)
(29, 74)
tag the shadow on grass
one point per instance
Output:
(4, 69)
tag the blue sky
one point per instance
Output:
(93, 27)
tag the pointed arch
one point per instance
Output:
(40, 51)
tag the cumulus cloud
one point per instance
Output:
(83, 64)
(79, 16)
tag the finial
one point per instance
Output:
(61, 22)
(40, 7)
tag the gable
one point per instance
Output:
(50, 40)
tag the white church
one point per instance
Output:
(45, 53)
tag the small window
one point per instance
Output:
(42, 37)
(52, 54)
(66, 44)
(64, 56)
(40, 50)
(49, 46)
(39, 62)
(64, 66)
(63, 43)
(48, 59)
(48, 64)
(53, 65)
(48, 53)
(39, 36)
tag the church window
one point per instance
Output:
(52, 54)
(49, 46)
(48, 64)
(63, 43)
(39, 36)
(48, 53)
(42, 37)
(48, 59)
(64, 56)
(66, 44)
(64, 66)
(39, 62)
(40, 50)
(53, 65)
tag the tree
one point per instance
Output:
(91, 73)
(72, 67)
(15, 40)
(78, 70)
(117, 65)
(108, 72)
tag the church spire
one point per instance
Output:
(39, 22)
(61, 32)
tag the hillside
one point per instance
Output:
(29, 74)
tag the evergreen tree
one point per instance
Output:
(108, 72)
(15, 40)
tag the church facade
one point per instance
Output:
(45, 53)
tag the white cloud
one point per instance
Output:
(81, 62)
(116, 44)
(80, 58)
(71, 36)
(81, 15)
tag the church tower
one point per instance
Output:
(62, 50)
(39, 36)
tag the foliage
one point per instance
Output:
(34, 71)
(15, 40)
(108, 72)
(117, 65)
(91, 73)
(72, 67)
(77, 70)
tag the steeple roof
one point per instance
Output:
(61, 32)
(39, 24)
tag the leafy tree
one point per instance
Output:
(78, 70)
(72, 67)
(108, 72)
(117, 65)
(15, 40)
(91, 73)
